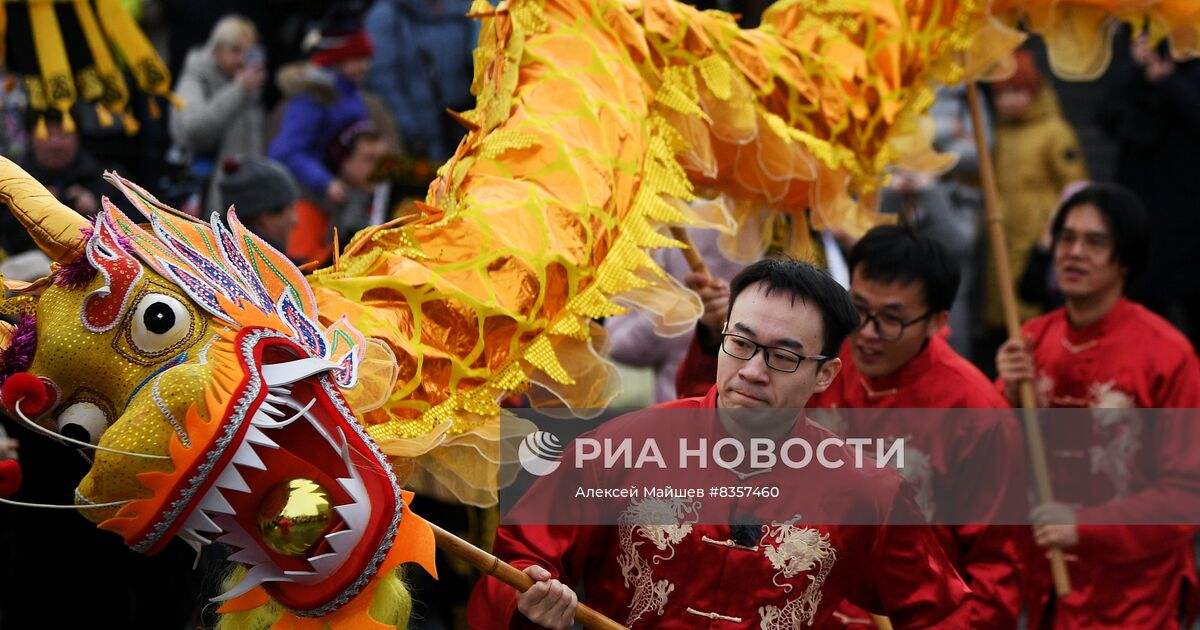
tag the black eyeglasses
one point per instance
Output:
(778, 359)
(888, 327)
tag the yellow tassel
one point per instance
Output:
(131, 124)
(152, 104)
(104, 116)
(116, 94)
(68, 123)
(51, 55)
(39, 130)
(129, 40)
(175, 101)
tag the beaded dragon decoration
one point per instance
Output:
(190, 357)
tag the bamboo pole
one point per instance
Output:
(1008, 297)
(505, 572)
(695, 262)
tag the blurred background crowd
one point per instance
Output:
(316, 118)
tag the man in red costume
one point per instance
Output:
(786, 322)
(966, 468)
(1102, 351)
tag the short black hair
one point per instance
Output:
(1124, 214)
(895, 253)
(805, 282)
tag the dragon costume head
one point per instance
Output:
(190, 356)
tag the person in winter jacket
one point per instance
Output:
(422, 66)
(1037, 155)
(221, 85)
(353, 156)
(327, 99)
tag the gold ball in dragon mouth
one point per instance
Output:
(293, 516)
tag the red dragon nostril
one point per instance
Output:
(10, 477)
(28, 389)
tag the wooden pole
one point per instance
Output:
(1008, 297)
(508, 574)
(695, 262)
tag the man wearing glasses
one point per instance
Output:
(786, 322)
(902, 285)
(966, 469)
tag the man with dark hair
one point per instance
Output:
(902, 285)
(1102, 351)
(786, 322)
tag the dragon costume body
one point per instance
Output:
(230, 399)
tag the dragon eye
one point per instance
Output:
(82, 421)
(159, 322)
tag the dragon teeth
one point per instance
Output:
(201, 522)
(326, 563)
(276, 374)
(214, 501)
(355, 515)
(236, 536)
(255, 436)
(193, 538)
(342, 541)
(245, 455)
(231, 479)
(262, 419)
(255, 576)
(251, 555)
(302, 577)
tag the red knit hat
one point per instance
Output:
(334, 49)
(1027, 77)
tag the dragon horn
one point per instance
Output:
(54, 227)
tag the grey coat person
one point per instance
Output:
(220, 118)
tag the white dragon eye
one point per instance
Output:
(83, 421)
(159, 322)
